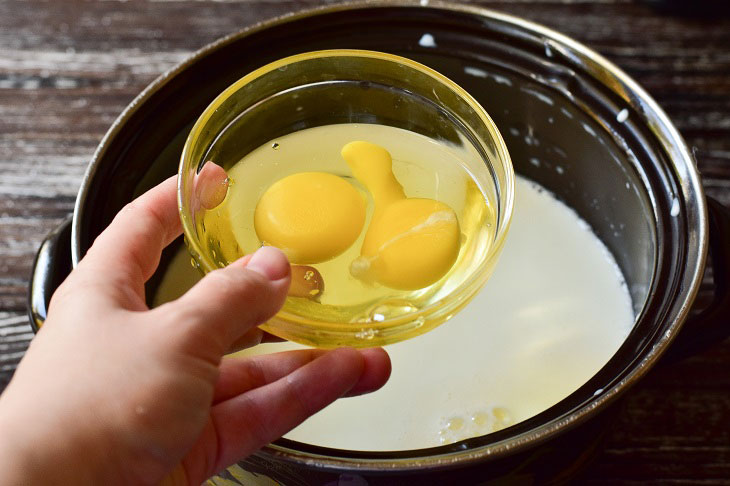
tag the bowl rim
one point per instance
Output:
(405, 326)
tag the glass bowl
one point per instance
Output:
(366, 90)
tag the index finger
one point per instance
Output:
(128, 251)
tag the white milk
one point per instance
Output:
(554, 312)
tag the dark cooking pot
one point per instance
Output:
(572, 121)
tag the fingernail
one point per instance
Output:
(269, 262)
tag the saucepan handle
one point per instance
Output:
(711, 325)
(51, 267)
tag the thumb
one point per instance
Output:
(228, 302)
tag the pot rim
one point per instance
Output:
(691, 194)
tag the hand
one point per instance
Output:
(111, 392)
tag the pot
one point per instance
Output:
(572, 121)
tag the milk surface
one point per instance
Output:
(553, 313)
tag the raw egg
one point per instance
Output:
(410, 242)
(311, 216)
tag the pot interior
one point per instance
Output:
(568, 124)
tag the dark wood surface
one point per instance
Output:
(68, 68)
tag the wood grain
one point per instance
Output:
(68, 68)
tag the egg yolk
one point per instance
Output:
(410, 242)
(311, 216)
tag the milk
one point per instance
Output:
(553, 313)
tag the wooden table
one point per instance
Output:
(68, 68)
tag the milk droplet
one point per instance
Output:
(675, 208)
(548, 50)
(427, 40)
(476, 72)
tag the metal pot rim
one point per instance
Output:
(691, 193)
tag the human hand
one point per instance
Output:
(111, 392)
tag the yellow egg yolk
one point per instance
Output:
(311, 216)
(411, 242)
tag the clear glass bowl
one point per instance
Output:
(346, 86)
